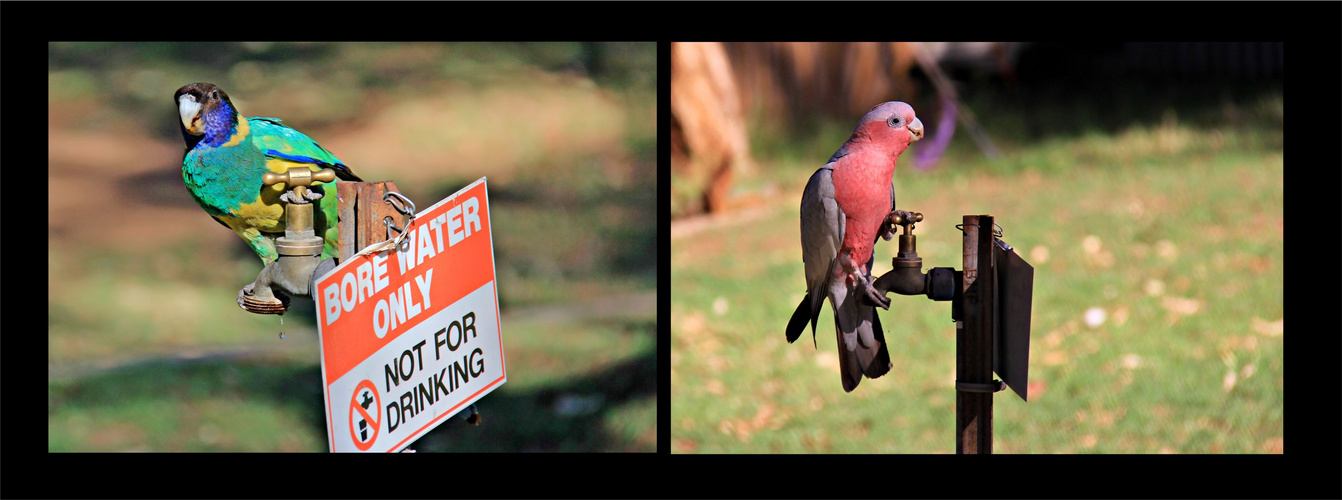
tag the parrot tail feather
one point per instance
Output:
(880, 364)
(850, 368)
(344, 173)
(797, 324)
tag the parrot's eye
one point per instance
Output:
(895, 120)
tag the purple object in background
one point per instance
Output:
(928, 156)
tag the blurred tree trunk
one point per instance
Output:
(708, 135)
(798, 82)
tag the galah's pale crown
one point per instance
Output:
(891, 125)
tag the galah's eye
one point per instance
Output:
(895, 120)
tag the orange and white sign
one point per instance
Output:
(411, 336)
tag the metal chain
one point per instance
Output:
(406, 207)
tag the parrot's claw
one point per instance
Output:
(887, 231)
(873, 296)
(309, 196)
(895, 218)
(876, 298)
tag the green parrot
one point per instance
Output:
(226, 156)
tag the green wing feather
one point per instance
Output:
(226, 182)
(271, 136)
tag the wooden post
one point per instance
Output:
(974, 341)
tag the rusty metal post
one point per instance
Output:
(361, 212)
(974, 341)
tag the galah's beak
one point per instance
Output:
(916, 130)
(189, 110)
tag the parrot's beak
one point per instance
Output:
(189, 110)
(916, 130)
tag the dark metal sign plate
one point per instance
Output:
(1011, 337)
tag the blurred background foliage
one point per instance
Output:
(146, 348)
(1143, 181)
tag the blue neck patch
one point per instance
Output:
(220, 124)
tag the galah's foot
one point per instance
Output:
(893, 219)
(877, 299)
(887, 230)
(873, 296)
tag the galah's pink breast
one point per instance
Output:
(862, 190)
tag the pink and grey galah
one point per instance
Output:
(847, 205)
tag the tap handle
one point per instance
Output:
(906, 219)
(298, 176)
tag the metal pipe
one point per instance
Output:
(973, 341)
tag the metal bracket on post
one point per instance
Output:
(991, 387)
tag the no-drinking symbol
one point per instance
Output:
(364, 405)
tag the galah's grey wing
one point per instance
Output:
(822, 224)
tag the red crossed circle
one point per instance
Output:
(358, 410)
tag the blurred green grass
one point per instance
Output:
(1171, 228)
(148, 352)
